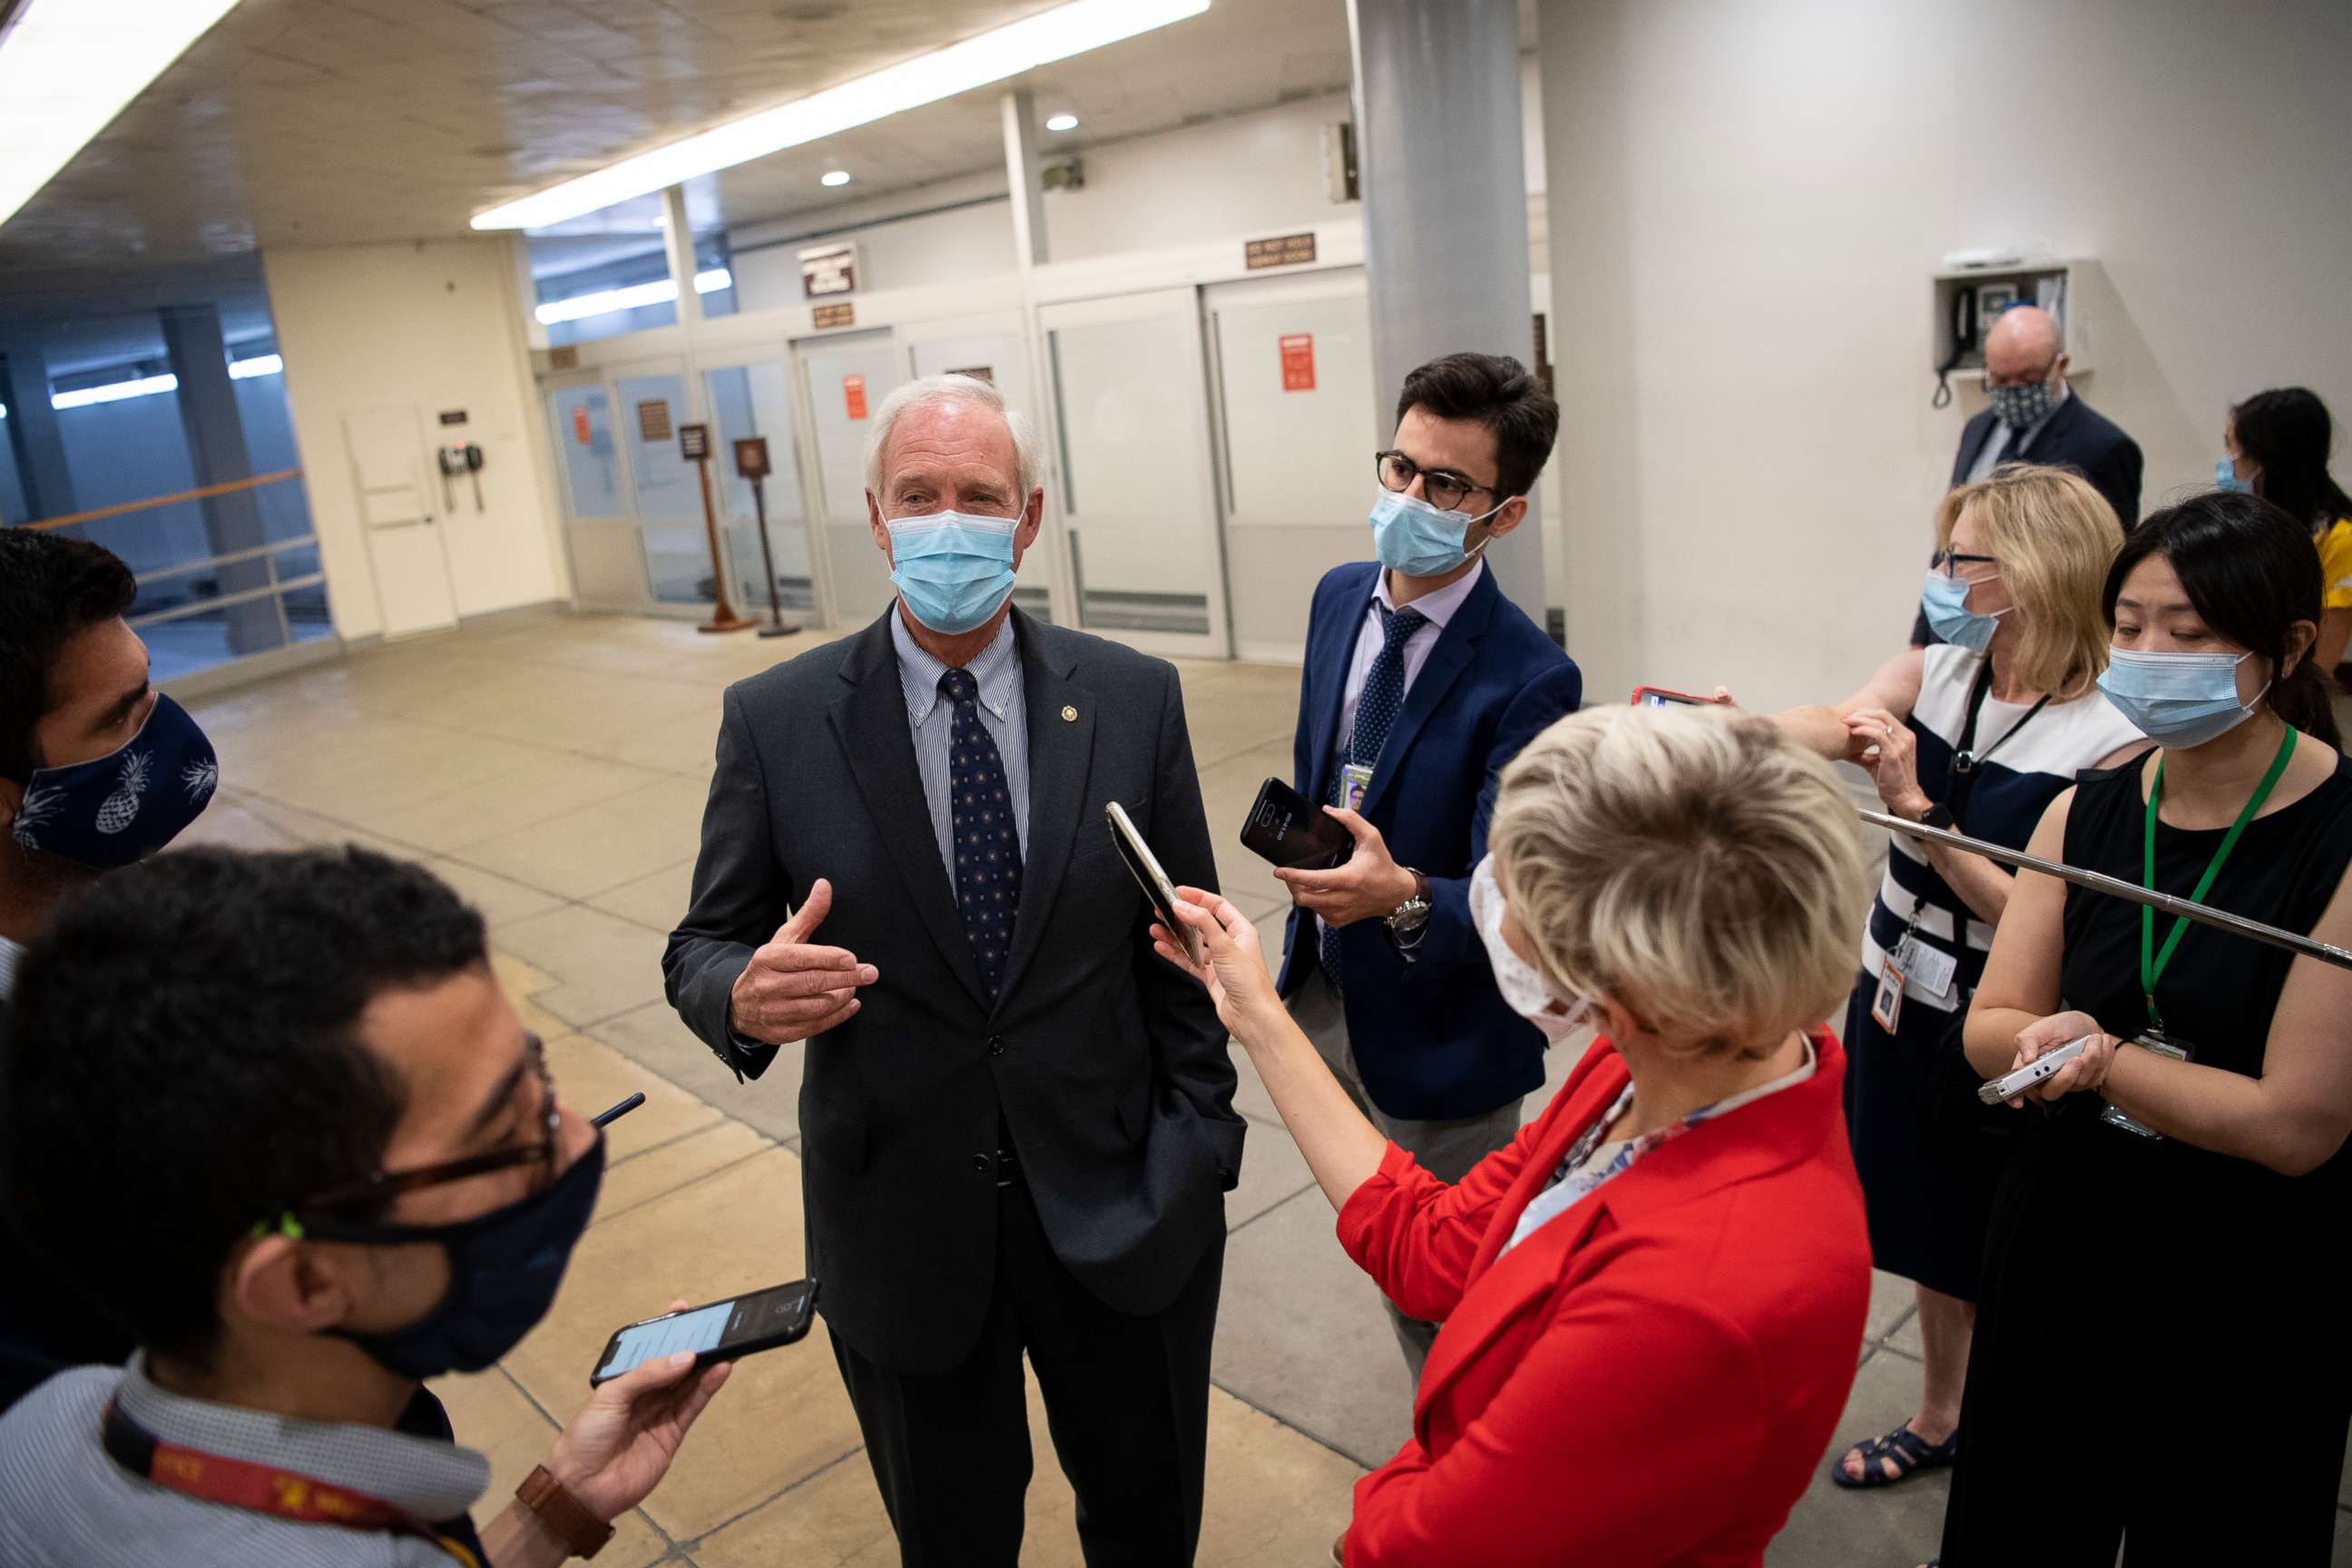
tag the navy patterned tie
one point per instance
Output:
(987, 843)
(1377, 708)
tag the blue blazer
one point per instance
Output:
(1433, 1037)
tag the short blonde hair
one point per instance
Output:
(2055, 537)
(1694, 865)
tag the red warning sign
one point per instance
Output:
(580, 425)
(1297, 362)
(853, 395)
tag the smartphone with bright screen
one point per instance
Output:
(720, 1331)
(1659, 697)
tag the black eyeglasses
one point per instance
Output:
(1441, 488)
(1948, 562)
(370, 1193)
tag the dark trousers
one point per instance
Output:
(1127, 1400)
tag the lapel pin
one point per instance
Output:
(1069, 715)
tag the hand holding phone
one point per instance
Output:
(1287, 830)
(717, 1331)
(2044, 1066)
(1144, 866)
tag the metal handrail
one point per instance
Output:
(202, 492)
(233, 558)
(2116, 887)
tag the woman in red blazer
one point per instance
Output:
(1652, 1301)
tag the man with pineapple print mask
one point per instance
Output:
(97, 770)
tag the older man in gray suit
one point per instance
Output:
(1017, 1122)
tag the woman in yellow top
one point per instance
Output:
(2278, 444)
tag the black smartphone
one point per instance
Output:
(1288, 831)
(720, 1330)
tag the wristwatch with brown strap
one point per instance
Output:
(565, 1515)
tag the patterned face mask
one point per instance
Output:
(2020, 408)
(113, 810)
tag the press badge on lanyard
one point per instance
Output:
(1355, 778)
(1912, 959)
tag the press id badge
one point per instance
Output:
(1355, 778)
(2153, 1040)
(1931, 969)
(1886, 1005)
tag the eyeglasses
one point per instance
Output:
(1949, 562)
(370, 1193)
(2030, 378)
(1439, 486)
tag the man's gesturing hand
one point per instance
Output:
(793, 989)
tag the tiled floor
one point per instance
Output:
(552, 768)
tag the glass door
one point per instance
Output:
(1297, 426)
(846, 377)
(1131, 431)
(608, 571)
(650, 401)
(755, 398)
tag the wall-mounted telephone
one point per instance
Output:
(1964, 342)
(464, 459)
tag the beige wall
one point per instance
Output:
(435, 326)
(1747, 200)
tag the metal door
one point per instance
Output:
(608, 569)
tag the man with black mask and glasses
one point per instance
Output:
(272, 1113)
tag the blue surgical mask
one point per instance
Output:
(122, 807)
(504, 1268)
(952, 569)
(2178, 700)
(2225, 477)
(1946, 600)
(1417, 539)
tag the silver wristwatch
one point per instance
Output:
(1413, 913)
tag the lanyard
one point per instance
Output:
(257, 1488)
(2151, 962)
(1965, 761)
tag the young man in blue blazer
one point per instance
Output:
(1422, 682)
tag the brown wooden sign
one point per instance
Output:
(751, 456)
(1282, 250)
(841, 315)
(693, 442)
(653, 421)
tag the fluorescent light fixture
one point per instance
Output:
(114, 391)
(1062, 122)
(993, 56)
(660, 291)
(247, 369)
(834, 177)
(68, 67)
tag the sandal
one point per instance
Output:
(1903, 1447)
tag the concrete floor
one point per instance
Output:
(553, 769)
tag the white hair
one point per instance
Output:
(925, 391)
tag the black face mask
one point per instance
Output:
(504, 1268)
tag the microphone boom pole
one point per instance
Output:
(2099, 882)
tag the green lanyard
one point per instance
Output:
(2152, 962)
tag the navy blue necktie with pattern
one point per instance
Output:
(987, 841)
(1377, 708)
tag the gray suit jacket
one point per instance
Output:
(1107, 1065)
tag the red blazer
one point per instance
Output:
(1651, 1377)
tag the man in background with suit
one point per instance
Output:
(1422, 681)
(2035, 417)
(1016, 1122)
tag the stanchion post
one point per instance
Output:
(694, 446)
(751, 463)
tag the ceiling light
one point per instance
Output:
(1062, 122)
(68, 67)
(660, 291)
(835, 178)
(993, 56)
(115, 390)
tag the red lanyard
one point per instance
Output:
(257, 1488)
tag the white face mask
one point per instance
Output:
(1523, 988)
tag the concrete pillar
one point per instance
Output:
(217, 452)
(33, 435)
(1446, 207)
(1025, 174)
(678, 246)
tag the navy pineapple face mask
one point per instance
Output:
(113, 810)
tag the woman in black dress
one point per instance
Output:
(2161, 1356)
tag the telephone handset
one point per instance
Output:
(1964, 342)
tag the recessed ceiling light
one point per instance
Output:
(68, 67)
(835, 177)
(1062, 122)
(1057, 34)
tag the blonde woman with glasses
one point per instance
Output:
(1977, 734)
(1653, 1300)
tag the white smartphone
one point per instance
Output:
(1144, 866)
(2026, 1077)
